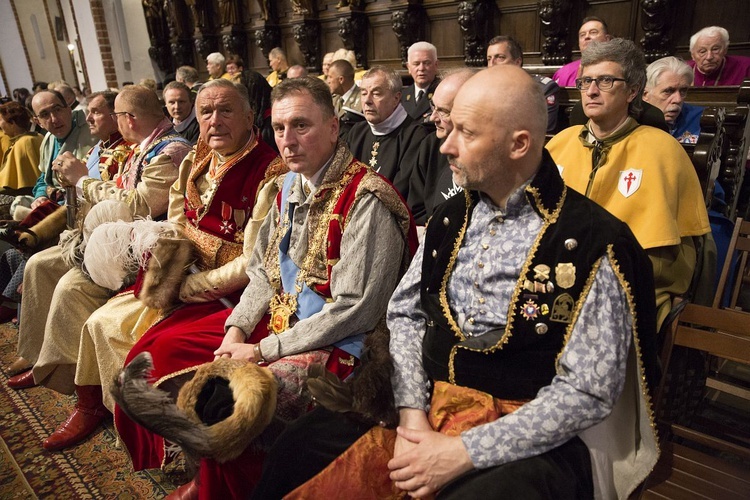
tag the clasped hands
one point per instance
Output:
(425, 460)
(233, 346)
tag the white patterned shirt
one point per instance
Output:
(590, 373)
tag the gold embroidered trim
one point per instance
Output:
(449, 270)
(314, 270)
(176, 374)
(85, 188)
(548, 218)
(212, 251)
(551, 217)
(214, 178)
(636, 342)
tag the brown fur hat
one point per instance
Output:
(252, 406)
(254, 393)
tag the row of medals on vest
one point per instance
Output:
(562, 307)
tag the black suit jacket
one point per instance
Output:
(420, 112)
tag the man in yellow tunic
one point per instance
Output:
(640, 174)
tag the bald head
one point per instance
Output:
(520, 107)
(442, 99)
(497, 138)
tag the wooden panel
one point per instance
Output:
(524, 26)
(517, 18)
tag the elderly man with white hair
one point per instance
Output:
(216, 64)
(711, 64)
(422, 63)
(667, 83)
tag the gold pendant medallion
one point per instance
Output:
(282, 307)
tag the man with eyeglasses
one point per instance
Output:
(667, 82)
(431, 181)
(388, 138)
(67, 131)
(711, 64)
(639, 173)
(58, 296)
(422, 63)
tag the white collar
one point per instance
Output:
(391, 123)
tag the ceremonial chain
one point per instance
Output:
(284, 304)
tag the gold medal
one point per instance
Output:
(565, 273)
(541, 272)
(282, 307)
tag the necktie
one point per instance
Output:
(419, 95)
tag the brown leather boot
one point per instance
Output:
(85, 419)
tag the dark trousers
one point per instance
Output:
(313, 441)
(305, 448)
(561, 473)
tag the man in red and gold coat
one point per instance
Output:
(327, 258)
(218, 200)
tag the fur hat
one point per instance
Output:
(226, 405)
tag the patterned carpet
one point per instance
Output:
(94, 469)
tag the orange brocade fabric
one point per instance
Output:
(362, 470)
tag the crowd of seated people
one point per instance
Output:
(466, 306)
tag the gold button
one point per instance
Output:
(471, 321)
(493, 232)
(480, 265)
(482, 300)
(485, 246)
(434, 253)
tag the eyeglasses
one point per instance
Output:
(605, 82)
(115, 115)
(47, 113)
(443, 113)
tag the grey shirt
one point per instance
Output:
(361, 281)
(590, 372)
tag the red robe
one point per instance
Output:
(180, 346)
(175, 343)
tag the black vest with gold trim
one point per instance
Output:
(516, 361)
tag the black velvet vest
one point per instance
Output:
(518, 360)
